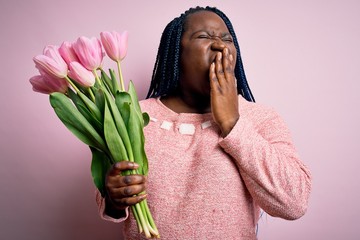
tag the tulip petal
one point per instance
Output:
(46, 84)
(123, 44)
(81, 75)
(67, 53)
(115, 44)
(89, 52)
(51, 62)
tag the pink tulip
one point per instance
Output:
(115, 44)
(67, 53)
(89, 52)
(81, 75)
(47, 84)
(51, 62)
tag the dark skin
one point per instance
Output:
(207, 84)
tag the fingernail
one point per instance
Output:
(219, 55)
(226, 51)
(231, 57)
(135, 165)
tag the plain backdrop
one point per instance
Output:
(300, 57)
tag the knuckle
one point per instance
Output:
(127, 180)
(108, 186)
(220, 71)
(228, 69)
(127, 201)
(121, 201)
(127, 191)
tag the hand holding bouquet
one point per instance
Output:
(96, 108)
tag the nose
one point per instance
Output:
(217, 44)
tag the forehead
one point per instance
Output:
(204, 20)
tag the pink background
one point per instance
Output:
(301, 58)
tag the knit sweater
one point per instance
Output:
(203, 186)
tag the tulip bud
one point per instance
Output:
(115, 44)
(51, 62)
(67, 53)
(47, 84)
(81, 75)
(89, 52)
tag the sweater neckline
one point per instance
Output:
(191, 117)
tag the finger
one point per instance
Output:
(118, 167)
(227, 66)
(127, 191)
(113, 183)
(231, 58)
(132, 180)
(214, 84)
(130, 191)
(129, 201)
(219, 68)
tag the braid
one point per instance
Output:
(166, 73)
(242, 85)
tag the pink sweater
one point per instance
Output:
(203, 186)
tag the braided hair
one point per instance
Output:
(166, 73)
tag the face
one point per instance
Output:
(205, 34)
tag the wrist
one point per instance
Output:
(112, 211)
(227, 126)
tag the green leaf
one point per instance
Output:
(112, 137)
(146, 118)
(134, 96)
(107, 81)
(75, 121)
(137, 139)
(100, 164)
(99, 127)
(86, 112)
(115, 83)
(122, 101)
(99, 99)
(135, 101)
(120, 124)
(91, 106)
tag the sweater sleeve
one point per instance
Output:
(100, 201)
(269, 165)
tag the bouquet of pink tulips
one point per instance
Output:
(96, 108)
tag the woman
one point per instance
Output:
(215, 157)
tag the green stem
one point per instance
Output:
(120, 76)
(150, 222)
(137, 219)
(96, 77)
(72, 84)
(150, 218)
(91, 94)
(142, 221)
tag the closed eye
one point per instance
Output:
(203, 36)
(227, 40)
